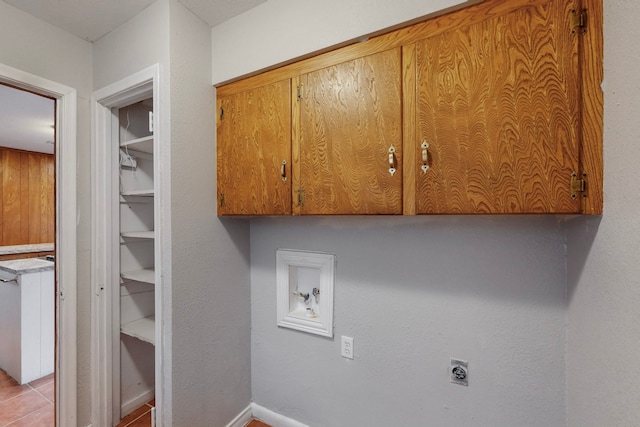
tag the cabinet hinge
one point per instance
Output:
(578, 185)
(221, 113)
(300, 92)
(300, 197)
(578, 21)
(221, 199)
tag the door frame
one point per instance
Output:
(105, 299)
(65, 236)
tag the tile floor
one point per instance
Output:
(28, 405)
(31, 405)
(141, 417)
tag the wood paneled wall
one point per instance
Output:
(27, 197)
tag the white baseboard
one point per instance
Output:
(252, 411)
(273, 418)
(127, 407)
(242, 419)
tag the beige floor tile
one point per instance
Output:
(44, 417)
(48, 391)
(42, 381)
(20, 406)
(134, 416)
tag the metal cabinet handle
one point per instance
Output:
(425, 156)
(392, 160)
(283, 171)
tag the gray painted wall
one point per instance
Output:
(604, 254)
(31, 45)
(279, 31)
(211, 292)
(413, 292)
(135, 45)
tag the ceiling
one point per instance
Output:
(92, 19)
(26, 120)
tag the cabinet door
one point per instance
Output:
(498, 106)
(254, 151)
(349, 118)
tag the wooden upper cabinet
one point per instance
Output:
(496, 108)
(349, 138)
(498, 105)
(254, 151)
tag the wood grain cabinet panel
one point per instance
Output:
(254, 139)
(498, 103)
(27, 197)
(490, 109)
(350, 137)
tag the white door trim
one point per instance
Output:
(105, 388)
(66, 231)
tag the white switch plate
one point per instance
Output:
(346, 349)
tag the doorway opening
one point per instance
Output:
(27, 255)
(130, 341)
(64, 235)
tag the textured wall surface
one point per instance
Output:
(603, 266)
(211, 291)
(414, 292)
(278, 31)
(133, 46)
(33, 46)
